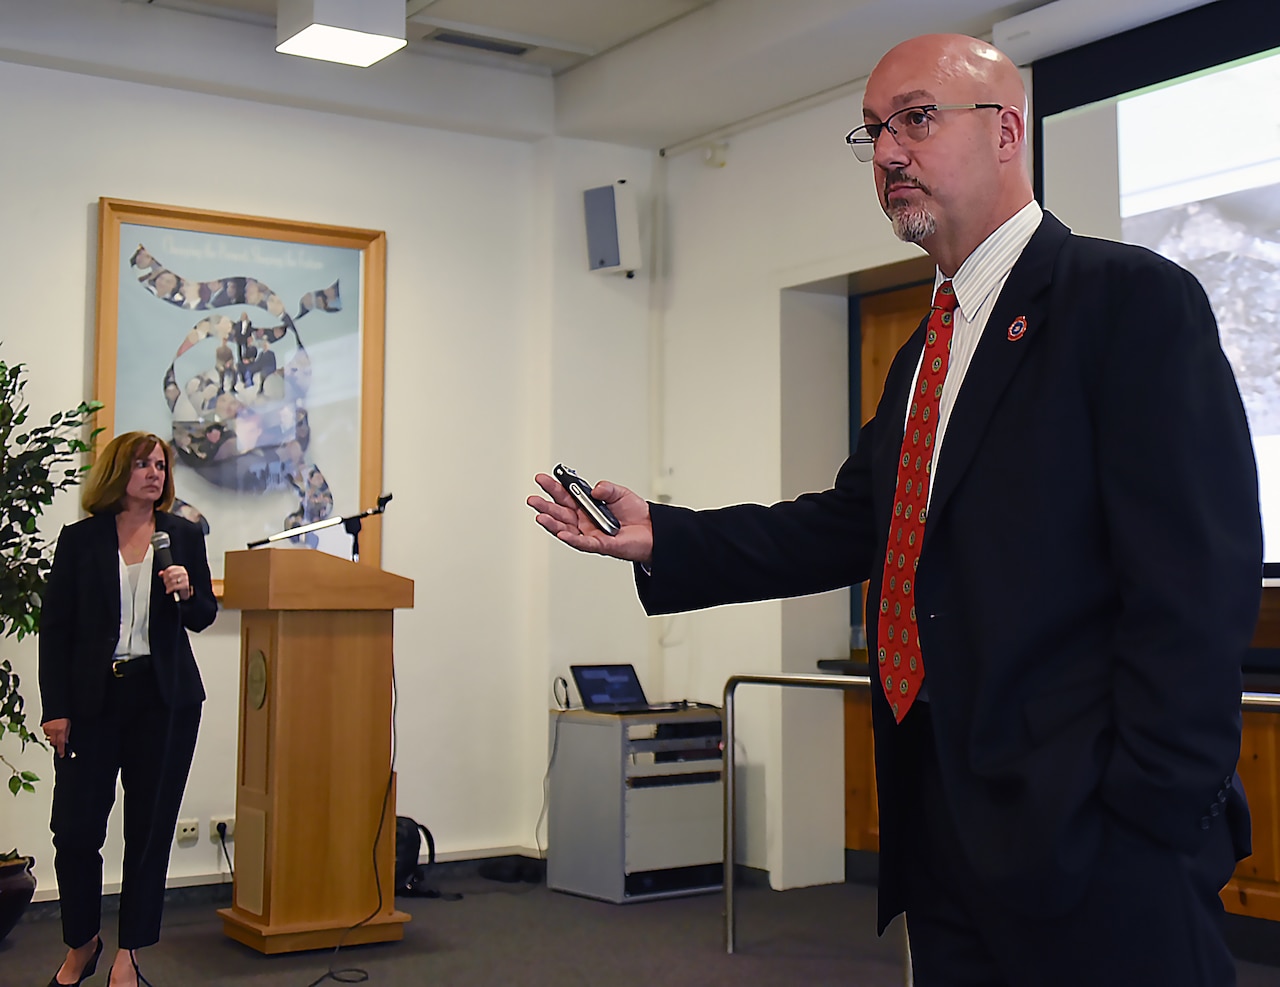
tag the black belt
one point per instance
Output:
(122, 668)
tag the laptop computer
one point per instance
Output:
(612, 689)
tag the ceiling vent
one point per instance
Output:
(478, 42)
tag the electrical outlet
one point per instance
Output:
(188, 832)
(213, 828)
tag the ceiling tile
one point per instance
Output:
(594, 25)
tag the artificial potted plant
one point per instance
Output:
(35, 463)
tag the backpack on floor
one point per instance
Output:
(410, 876)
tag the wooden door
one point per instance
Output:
(887, 321)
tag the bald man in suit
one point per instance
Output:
(1056, 509)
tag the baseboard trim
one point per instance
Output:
(215, 886)
(220, 878)
(484, 853)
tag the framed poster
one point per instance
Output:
(255, 346)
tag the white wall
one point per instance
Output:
(591, 412)
(809, 760)
(790, 207)
(492, 320)
(504, 356)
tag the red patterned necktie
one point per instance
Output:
(901, 667)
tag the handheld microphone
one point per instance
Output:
(160, 545)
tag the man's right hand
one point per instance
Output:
(561, 516)
(57, 732)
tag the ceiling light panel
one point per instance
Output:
(353, 32)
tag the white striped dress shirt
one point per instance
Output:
(977, 284)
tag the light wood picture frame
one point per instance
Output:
(256, 348)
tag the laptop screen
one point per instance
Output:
(606, 688)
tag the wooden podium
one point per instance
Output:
(314, 759)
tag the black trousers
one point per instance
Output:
(1150, 918)
(149, 746)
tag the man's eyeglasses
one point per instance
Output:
(909, 125)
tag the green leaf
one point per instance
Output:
(36, 462)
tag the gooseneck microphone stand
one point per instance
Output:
(352, 524)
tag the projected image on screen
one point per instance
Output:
(1233, 246)
(1197, 180)
(1199, 169)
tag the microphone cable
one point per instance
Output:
(546, 779)
(222, 839)
(560, 692)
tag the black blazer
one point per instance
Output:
(1089, 579)
(80, 617)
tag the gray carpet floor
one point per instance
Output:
(523, 934)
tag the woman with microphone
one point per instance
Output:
(121, 693)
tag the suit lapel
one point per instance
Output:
(1020, 316)
(106, 557)
(162, 524)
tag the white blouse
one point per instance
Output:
(135, 608)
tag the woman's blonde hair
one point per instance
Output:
(109, 477)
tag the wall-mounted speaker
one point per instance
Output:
(613, 228)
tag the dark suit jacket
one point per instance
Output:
(1089, 577)
(80, 617)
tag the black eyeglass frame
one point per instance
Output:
(871, 131)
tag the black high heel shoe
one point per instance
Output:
(85, 974)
